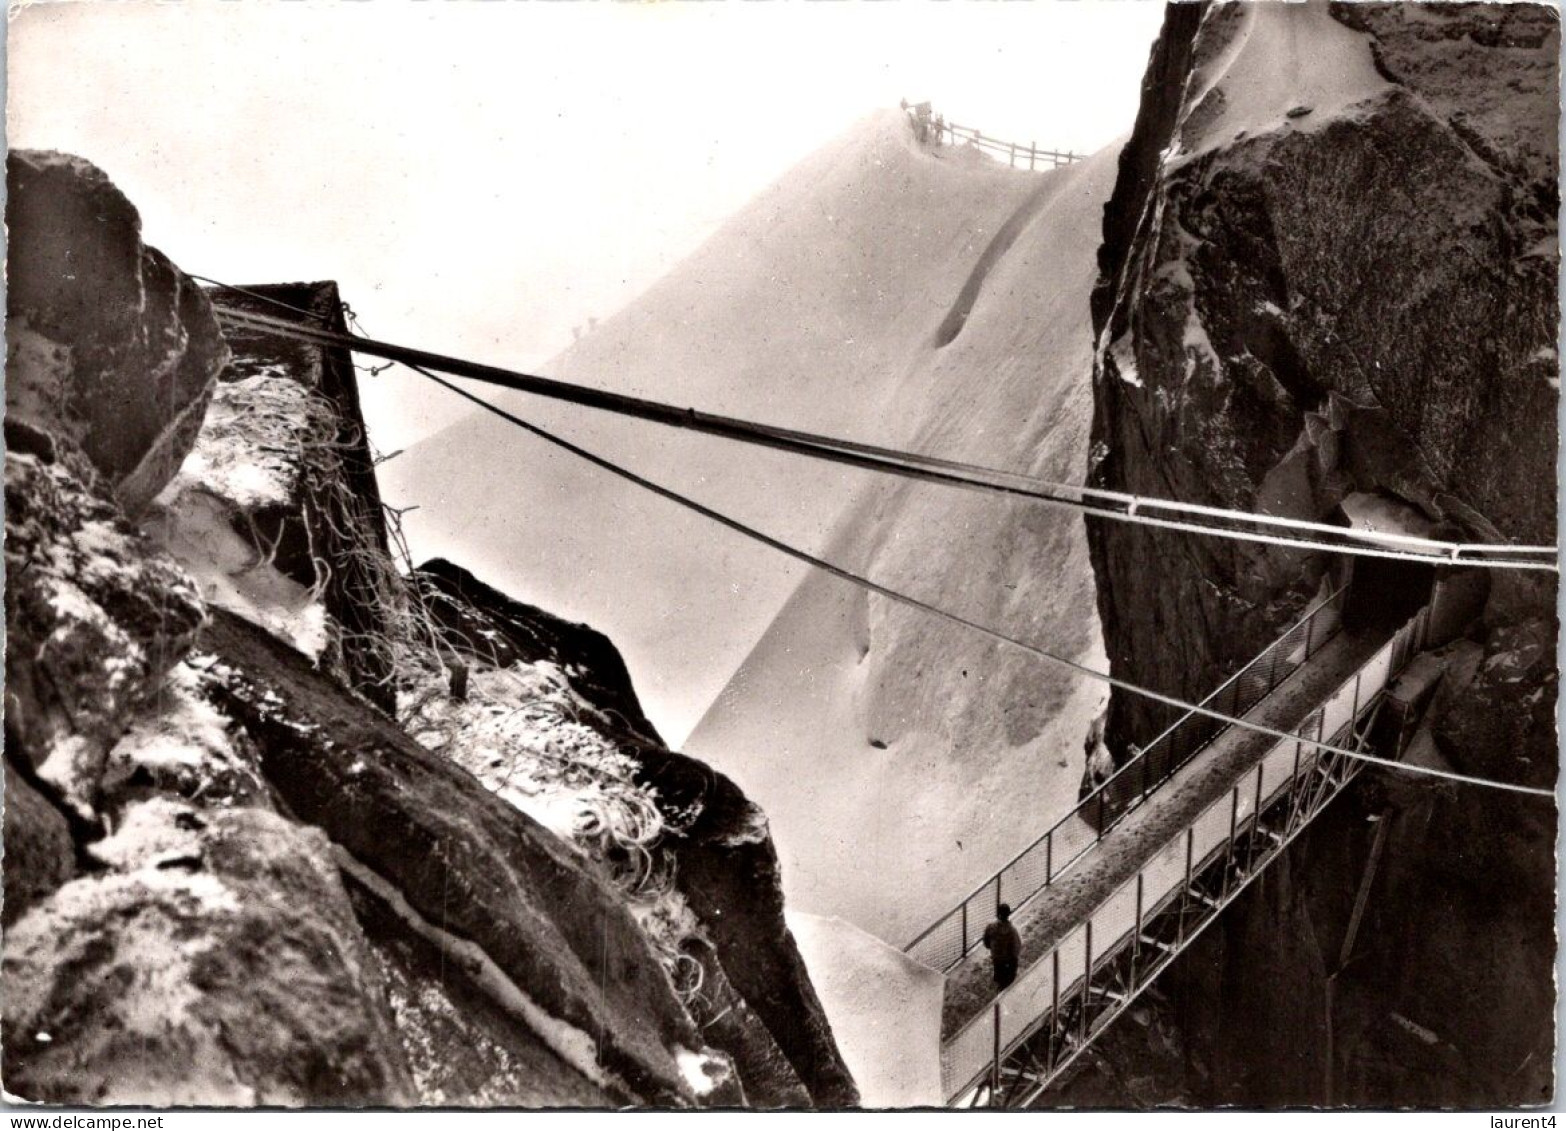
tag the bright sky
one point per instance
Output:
(482, 177)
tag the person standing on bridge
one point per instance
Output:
(1005, 946)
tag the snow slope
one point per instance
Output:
(1284, 66)
(885, 1010)
(817, 306)
(900, 758)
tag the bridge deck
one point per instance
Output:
(1143, 833)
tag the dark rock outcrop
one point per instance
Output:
(95, 616)
(728, 870)
(215, 961)
(727, 1020)
(463, 860)
(490, 627)
(1302, 313)
(108, 344)
(1296, 307)
(463, 1048)
(233, 876)
(756, 1002)
(191, 955)
(39, 852)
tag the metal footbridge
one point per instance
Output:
(1113, 892)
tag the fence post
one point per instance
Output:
(1011, 157)
(1033, 154)
(1185, 892)
(1234, 817)
(1294, 787)
(1054, 1011)
(1261, 768)
(964, 927)
(1087, 983)
(1049, 857)
(995, 1067)
(1136, 939)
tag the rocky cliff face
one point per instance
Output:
(1329, 270)
(285, 825)
(94, 326)
(697, 862)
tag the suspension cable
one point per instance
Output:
(1104, 504)
(913, 602)
(944, 614)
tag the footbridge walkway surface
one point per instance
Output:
(1165, 856)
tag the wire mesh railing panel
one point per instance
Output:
(1378, 672)
(980, 908)
(1113, 921)
(1050, 989)
(1340, 708)
(1034, 995)
(1163, 876)
(1252, 685)
(1236, 697)
(1052, 854)
(967, 1056)
(1266, 775)
(1028, 873)
(1071, 839)
(1278, 770)
(943, 945)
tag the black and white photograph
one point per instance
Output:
(780, 555)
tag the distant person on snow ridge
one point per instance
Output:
(1005, 946)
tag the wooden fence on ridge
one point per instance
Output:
(934, 129)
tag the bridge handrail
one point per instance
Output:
(1053, 869)
(1396, 652)
(1306, 621)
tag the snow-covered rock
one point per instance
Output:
(276, 512)
(1331, 258)
(551, 723)
(514, 905)
(108, 344)
(287, 827)
(95, 616)
(212, 959)
(39, 852)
